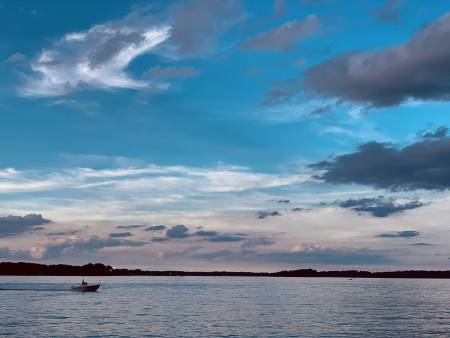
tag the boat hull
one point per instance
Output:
(85, 288)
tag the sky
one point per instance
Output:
(226, 134)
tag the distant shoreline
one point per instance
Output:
(98, 269)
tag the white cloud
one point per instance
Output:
(159, 178)
(96, 58)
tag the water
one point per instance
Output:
(225, 307)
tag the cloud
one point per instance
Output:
(206, 233)
(418, 69)
(15, 225)
(172, 72)
(298, 209)
(181, 232)
(284, 201)
(196, 25)
(379, 206)
(321, 109)
(155, 228)
(439, 133)
(422, 244)
(159, 239)
(225, 238)
(171, 179)
(254, 242)
(16, 57)
(308, 254)
(7, 253)
(131, 226)
(63, 233)
(284, 37)
(389, 12)
(120, 234)
(265, 214)
(178, 231)
(421, 165)
(77, 245)
(96, 58)
(400, 234)
(90, 108)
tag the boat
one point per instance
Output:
(85, 287)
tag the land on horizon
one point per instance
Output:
(99, 269)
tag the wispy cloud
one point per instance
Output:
(96, 58)
(16, 57)
(285, 36)
(216, 179)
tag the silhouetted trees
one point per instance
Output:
(98, 269)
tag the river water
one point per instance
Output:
(225, 307)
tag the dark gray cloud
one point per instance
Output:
(439, 133)
(90, 245)
(206, 233)
(63, 233)
(284, 37)
(172, 72)
(131, 226)
(225, 238)
(422, 244)
(400, 234)
(155, 228)
(197, 24)
(262, 241)
(181, 231)
(178, 231)
(120, 234)
(421, 165)
(321, 109)
(379, 206)
(265, 214)
(418, 69)
(311, 256)
(215, 236)
(15, 225)
(389, 12)
(298, 209)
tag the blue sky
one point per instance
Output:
(279, 134)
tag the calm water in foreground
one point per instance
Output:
(225, 307)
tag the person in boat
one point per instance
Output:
(83, 282)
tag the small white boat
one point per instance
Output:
(85, 287)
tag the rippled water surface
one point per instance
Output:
(225, 307)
